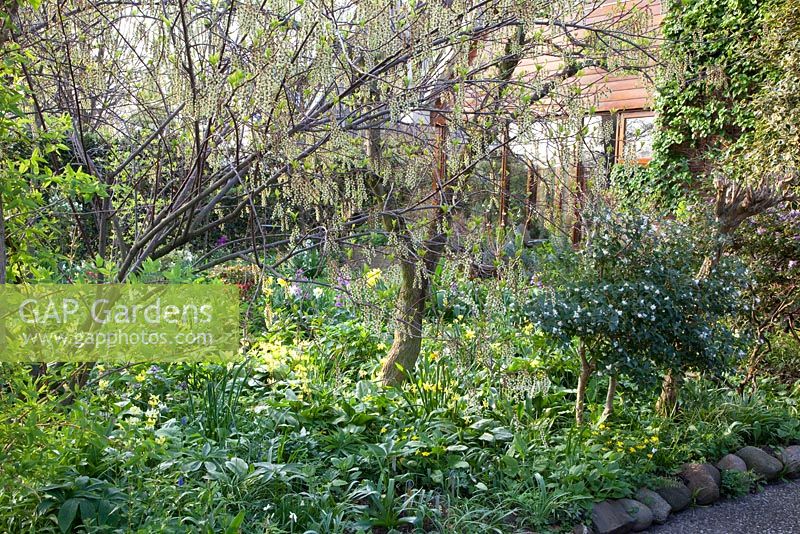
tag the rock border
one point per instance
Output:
(697, 483)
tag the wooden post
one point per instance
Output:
(580, 196)
(439, 122)
(505, 182)
(531, 192)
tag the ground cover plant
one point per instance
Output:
(444, 326)
(302, 436)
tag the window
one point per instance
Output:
(597, 145)
(635, 137)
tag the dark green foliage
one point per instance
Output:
(633, 296)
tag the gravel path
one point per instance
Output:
(776, 510)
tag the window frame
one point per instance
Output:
(619, 149)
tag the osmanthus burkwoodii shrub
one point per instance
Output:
(629, 297)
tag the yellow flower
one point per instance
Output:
(434, 356)
(654, 439)
(373, 277)
(426, 453)
(649, 456)
(102, 384)
(283, 283)
(469, 334)
(632, 449)
(527, 329)
(266, 287)
(161, 440)
(428, 387)
(141, 377)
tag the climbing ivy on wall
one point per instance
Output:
(707, 90)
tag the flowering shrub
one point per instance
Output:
(633, 296)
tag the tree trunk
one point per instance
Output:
(583, 381)
(408, 332)
(734, 204)
(417, 270)
(612, 390)
(753, 362)
(667, 403)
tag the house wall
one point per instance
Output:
(616, 88)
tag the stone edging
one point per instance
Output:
(698, 483)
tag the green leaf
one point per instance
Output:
(67, 513)
(236, 523)
(237, 77)
(237, 465)
(87, 509)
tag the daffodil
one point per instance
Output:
(373, 276)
